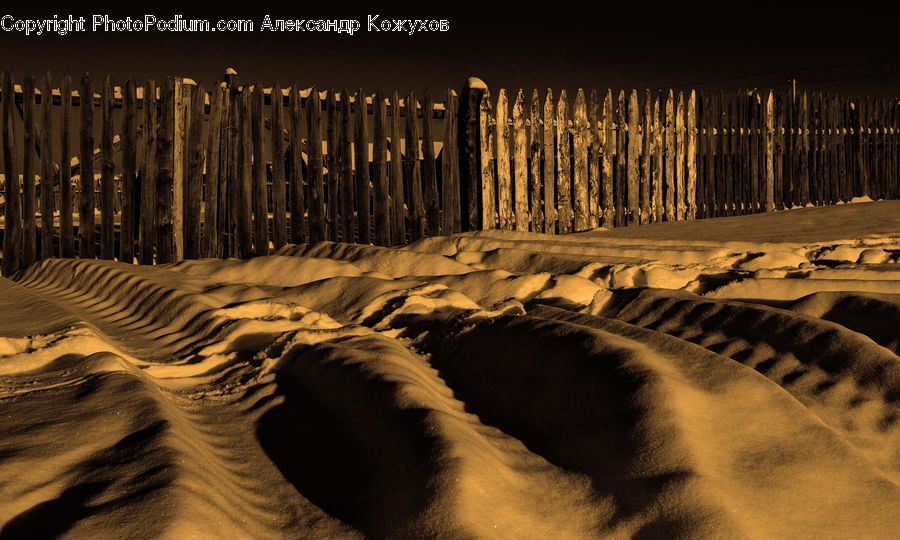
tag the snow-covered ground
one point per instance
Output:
(735, 377)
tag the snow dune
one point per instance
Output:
(736, 377)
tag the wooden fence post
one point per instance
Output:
(549, 164)
(691, 157)
(245, 167)
(520, 163)
(429, 170)
(634, 152)
(12, 235)
(608, 215)
(596, 153)
(48, 188)
(107, 174)
(260, 193)
(345, 173)
(646, 213)
(298, 190)
(670, 157)
(180, 129)
(147, 232)
(450, 180)
(279, 189)
(537, 180)
(380, 171)
(621, 159)
(86, 172)
(129, 172)
(657, 163)
(580, 142)
(770, 152)
(417, 208)
(335, 225)
(316, 186)
(398, 211)
(212, 179)
(469, 149)
(363, 192)
(680, 198)
(486, 131)
(66, 235)
(29, 250)
(193, 191)
(504, 181)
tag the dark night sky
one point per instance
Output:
(853, 49)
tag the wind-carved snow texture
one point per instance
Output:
(727, 378)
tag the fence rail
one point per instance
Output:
(174, 171)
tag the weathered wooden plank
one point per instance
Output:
(29, 237)
(595, 156)
(147, 232)
(429, 170)
(580, 142)
(12, 234)
(334, 178)
(212, 180)
(670, 157)
(363, 189)
(646, 158)
(86, 248)
(778, 150)
(817, 142)
(66, 236)
(633, 159)
(771, 170)
(487, 134)
(195, 152)
(451, 182)
(680, 199)
(47, 178)
(710, 119)
(563, 166)
(702, 143)
(299, 231)
(621, 179)
(803, 149)
(728, 151)
(165, 163)
(470, 147)
(745, 156)
(841, 111)
(235, 193)
(107, 174)
(861, 140)
(537, 180)
(691, 158)
(380, 181)
(260, 193)
(245, 195)
(316, 185)
(607, 204)
(179, 170)
(755, 103)
(549, 164)
(398, 210)
(417, 209)
(792, 152)
(279, 189)
(657, 164)
(504, 181)
(129, 172)
(520, 163)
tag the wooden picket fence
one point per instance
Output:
(174, 171)
(637, 158)
(234, 172)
